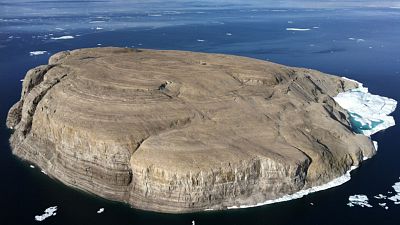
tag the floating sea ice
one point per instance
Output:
(37, 53)
(368, 112)
(32, 166)
(297, 29)
(51, 211)
(361, 200)
(380, 196)
(375, 145)
(315, 27)
(100, 210)
(44, 172)
(63, 37)
(228, 34)
(99, 28)
(396, 198)
(200, 40)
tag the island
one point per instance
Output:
(178, 131)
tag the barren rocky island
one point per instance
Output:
(176, 131)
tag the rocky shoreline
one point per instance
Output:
(175, 131)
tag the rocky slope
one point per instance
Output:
(176, 131)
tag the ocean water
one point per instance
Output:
(359, 43)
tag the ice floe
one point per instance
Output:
(51, 211)
(375, 145)
(396, 198)
(360, 200)
(368, 113)
(62, 37)
(101, 210)
(228, 34)
(380, 196)
(33, 53)
(297, 29)
(32, 166)
(200, 40)
(99, 28)
(333, 183)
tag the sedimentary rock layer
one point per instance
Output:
(177, 131)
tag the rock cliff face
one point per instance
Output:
(176, 131)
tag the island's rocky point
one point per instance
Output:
(176, 131)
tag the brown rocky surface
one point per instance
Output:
(177, 131)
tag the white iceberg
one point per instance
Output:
(34, 53)
(63, 37)
(100, 210)
(51, 211)
(361, 200)
(368, 113)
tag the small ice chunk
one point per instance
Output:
(228, 34)
(101, 210)
(44, 172)
(396, 187)
(375, 145)
(368, 113)
(62, 37)
(51, 211)
(200, 40)
(290, 22)
(98, 44)
(315, 27)
(34, 53)
(360, 200)
(380, 196)
(297, 29)
(99, 28)
(360, 40)
(32, 166)
(59, 28)
(311, 203)
(396, 198)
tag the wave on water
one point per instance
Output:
(62, 37)
(297, 29)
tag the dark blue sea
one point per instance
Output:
(361, 43)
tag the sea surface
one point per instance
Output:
(359, 43)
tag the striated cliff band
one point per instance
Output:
(176, 131)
